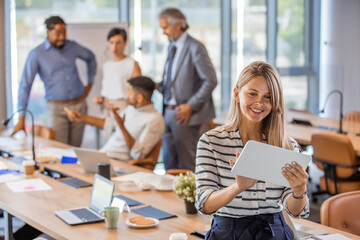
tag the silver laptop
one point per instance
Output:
(89, 160)
(302, 232)
(101, 197)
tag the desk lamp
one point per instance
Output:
(341, 107)
(6, 122)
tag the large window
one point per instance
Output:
(291, 33)
(277, 31)
(291, 52)
(30, 31)
(150, 45)
(290, 48)
(254, 40)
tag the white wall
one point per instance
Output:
(340, 54)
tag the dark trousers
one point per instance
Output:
(264, 227)
(179, 143)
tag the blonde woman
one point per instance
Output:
(245, 208)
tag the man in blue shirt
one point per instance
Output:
(54, 61)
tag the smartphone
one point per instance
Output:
(68, 111)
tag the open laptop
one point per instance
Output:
(101, 197)
(302, 232)
(89, 160)
(262, 161)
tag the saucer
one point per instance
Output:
(163, 188)
(129, 186)
(134, 225)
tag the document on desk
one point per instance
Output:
(6, 141)
(56, 152)
(10, 177)
(264, 162)
(136, 176)
(28, 185)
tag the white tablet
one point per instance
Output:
(264, 162)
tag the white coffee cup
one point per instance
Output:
(29, 167)
(166, 181)
(178, 236)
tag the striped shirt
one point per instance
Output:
(215, 148)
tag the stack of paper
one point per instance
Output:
(28, 185)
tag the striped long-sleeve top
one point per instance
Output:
(213, 172)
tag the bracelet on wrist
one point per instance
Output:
(299, 197)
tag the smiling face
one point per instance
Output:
(57, 35)
(116, 45)
(255, 101)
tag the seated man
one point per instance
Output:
(140, 127)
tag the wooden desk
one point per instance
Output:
(37, 209)
(302, 134)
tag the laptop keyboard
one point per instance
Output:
(85, 215)
(303, 235)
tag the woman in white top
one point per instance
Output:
(116, 72)
(245, 208)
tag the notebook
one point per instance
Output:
(264, 162)
(89, 160)
(76, 183)
(152, 212)
(101, 196)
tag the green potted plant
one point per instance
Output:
(185, 188)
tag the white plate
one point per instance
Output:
(134, 225)
(163, 188)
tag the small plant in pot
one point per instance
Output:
(185, 188)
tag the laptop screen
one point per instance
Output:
(101, 194)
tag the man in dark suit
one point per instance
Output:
(188, 81)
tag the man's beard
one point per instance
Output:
(61, 46)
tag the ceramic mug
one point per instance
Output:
(111, 215)
(178, 236)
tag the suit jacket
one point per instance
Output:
(194, 81)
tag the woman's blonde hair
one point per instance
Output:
(273, 124)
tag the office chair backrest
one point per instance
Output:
(44, 132)
(150, 160)
(334, 148)
(342, 212)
